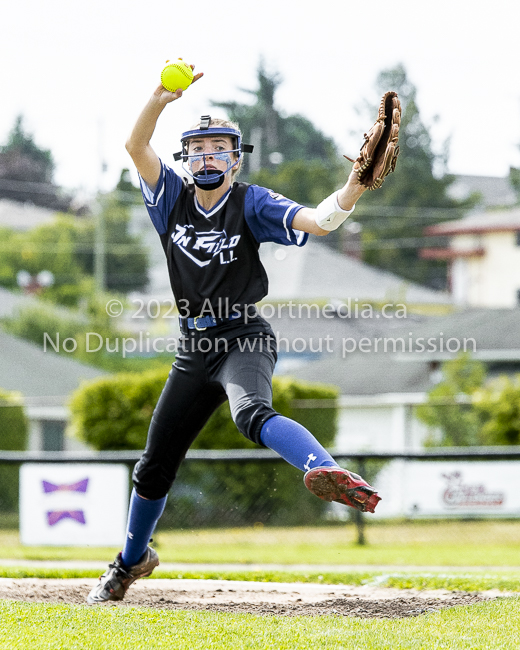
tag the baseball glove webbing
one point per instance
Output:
(379, 151)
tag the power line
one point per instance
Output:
(399, 210)
(364, 210)
(400, 242)
(33, 247)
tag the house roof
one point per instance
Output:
(492, 335)
(360, 374)
(313, 272)
(491, 221)
(27, 368)
(495, 191)
(316, 272)
(23, 216)
(10, 302)
(492, 329)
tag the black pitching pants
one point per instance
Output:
(233, 361)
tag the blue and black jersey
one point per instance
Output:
(212, 256)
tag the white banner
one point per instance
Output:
(76, 504)
(449, 488)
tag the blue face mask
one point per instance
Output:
(224, 156)
(210, 179)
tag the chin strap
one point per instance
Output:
(208, 181)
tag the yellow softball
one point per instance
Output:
(176, 74)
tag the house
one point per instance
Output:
(315, 272)
(23, 216)
(494, 191)
(46, 381)
(484, 258)
(384, 368)
(11, 302)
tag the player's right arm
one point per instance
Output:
(138, 144)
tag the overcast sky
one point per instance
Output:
(81, 72)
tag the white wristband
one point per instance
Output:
(329, 214)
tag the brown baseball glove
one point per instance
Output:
(378, 154)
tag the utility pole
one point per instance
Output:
(99, 242)
(255, 160)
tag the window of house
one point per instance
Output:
(53, 432)
(517, 237)
(518, 297)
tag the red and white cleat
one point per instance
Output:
(337, 484)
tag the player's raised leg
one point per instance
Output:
(323, 477)
(341, 485)
(246, 377)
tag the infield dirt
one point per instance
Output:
(279, 599)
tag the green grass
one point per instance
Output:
(444, 543)
(453, 581)
(55, 627)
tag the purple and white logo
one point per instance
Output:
(73, 504)
(80, 486)
(54, 516)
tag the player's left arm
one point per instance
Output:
(331, 212)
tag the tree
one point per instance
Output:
(414, 196)
(277, 138)
(499, 403)
(14, 428)
(126, 258)
(126, 193)
(66, 248)
(306, 182)
(26, 171)
(50, 247)
(449, 408)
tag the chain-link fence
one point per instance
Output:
(232, 488)
(208, 492)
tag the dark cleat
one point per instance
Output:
(337, 484)
(114, 583)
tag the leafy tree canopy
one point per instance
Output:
(277, 138)
(66, 248)
(499, 403)
(449, 409)
(125, 192)
(412, 198)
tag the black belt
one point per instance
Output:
(201, 323)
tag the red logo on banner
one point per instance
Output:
(460, 494)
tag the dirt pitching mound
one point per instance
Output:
(279, 599)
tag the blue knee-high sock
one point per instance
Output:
(295, 444)
(143, 515)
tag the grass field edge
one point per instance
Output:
(451, 581)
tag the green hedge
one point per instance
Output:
(114, 413)
(13, 437)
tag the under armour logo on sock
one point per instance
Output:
(310, 458)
